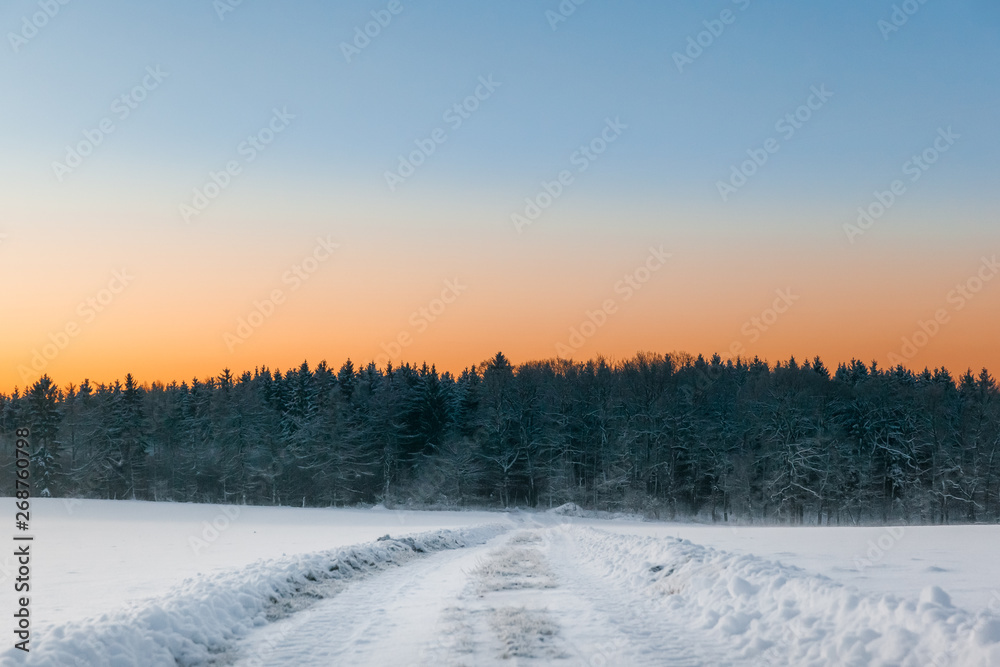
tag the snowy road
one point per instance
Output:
(553, 593)
(521, 589)
(529, 596)
(624, 630)
(386, 619)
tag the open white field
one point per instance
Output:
(121, 583)
(93, 556)
(962, 560)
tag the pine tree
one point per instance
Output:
(44, 417)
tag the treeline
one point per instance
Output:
(668, 436)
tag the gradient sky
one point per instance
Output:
(189, 282)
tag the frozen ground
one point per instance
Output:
(139, 583)
(94, 556)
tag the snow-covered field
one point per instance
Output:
(95, 556)
(127, 583)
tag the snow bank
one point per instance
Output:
(776, 614)
(574, 511)
(202, 617)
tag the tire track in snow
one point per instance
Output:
(612, 627)
(530, 590)
(391, 618)
(203, 619)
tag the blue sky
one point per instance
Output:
(656, 184)
(606, 59)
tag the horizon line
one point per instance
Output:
(687, 359)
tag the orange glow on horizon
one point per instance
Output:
(532, 296)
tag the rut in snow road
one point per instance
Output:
(526, 598)
(566, 594)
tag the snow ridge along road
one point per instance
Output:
(549, 592)
(773, 614)
(198, 621)
(556, 593)
(524, 598)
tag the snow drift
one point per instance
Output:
(204, 616)
(772, 613)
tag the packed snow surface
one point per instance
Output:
(141, 583)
